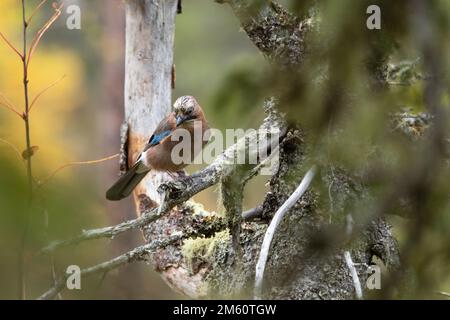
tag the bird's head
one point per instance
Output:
(186, 110)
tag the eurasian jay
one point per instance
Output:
(187, 116)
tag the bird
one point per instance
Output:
(187, 117)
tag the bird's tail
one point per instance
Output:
(127, 182)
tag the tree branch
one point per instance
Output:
(181, 190)
(137, 254)
(43, 91)
(354, 274)
(11, 45)
(265, 247)
(252, 213)
(106, 232)
(278, 34)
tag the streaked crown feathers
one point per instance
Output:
(185, 104)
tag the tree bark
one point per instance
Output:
(150, 27)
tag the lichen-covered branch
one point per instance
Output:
(199, 227)
(277, 33)
(265, 138)
(105, 232)
(252, 213)
(137, 254)
(182, 189)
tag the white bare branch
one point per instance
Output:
(354, 274)
(265, 247)
(137, 254)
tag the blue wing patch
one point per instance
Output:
(156, 138)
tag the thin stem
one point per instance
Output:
(36, 10)
(25, 87)
(76, 163)
(9, 105)
(108, 232)
(22, 288)
(41, 31)
(11, 45)
(43, 91)
(16, 150)
(137, 254)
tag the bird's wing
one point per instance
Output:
(163, 130)
(156, 138)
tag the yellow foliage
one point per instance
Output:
(54, 109)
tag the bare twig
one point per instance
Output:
(443, 293)
(349, 261)
(41, 31)
(148, 217)
(76, 163)
(9, 105)
(183, 194)
(9, 102)
(253, 172)
(13, 147)
(354, 274)
(10, 45)
(43, 91)
(106, 232)
(265, 247)
(137, 254)
(11, 109)
(252, 213)
(35, 11)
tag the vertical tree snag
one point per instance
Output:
(150, 27)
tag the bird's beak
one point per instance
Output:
(182, 119)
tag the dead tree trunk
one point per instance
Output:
(150, 27)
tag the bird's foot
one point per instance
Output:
(175, 188)
(181, 174)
